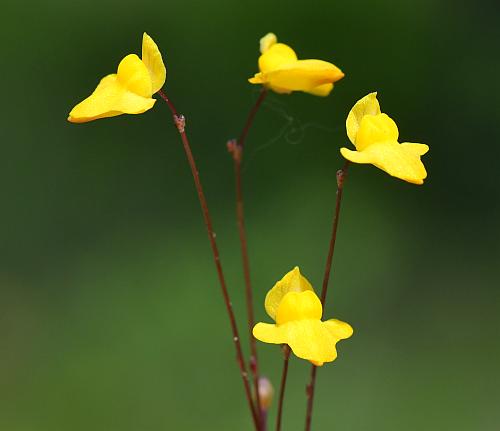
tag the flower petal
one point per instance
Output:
(303, 75)
(398, 160)
(270, 333)
(267, 41)
(256, 79)
(134, 76)
(321, 90)
(109, 99)
(417, 149)
(356, 156)
(338, 329)
(293, 281)
(312, 340)
(299, 306)
(275, 57)
(151, 56)
(368, 105)
(376, 128)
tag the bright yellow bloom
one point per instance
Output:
(375, 136)
(282, 72)
(129, 91)
(297, 311)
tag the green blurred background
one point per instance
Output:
(111, 317)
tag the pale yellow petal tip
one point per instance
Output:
(367, 105)
(292, 281)
(267, 41)
(152, 58)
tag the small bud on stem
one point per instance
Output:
(266, 392)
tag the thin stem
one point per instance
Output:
(263, 420)
(236, 149)
(286, 356)
(251, 116)
(341, 176)
(254, 363)
(180, 123)
(310, 397)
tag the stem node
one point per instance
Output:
(180, 122)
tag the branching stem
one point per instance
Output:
(180, 123)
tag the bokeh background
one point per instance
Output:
(111, 317)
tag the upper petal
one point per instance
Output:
(109, 99)
(293, 281)
(134, 76)
(299, 306)
(151, 56)
(376, 128)
(367, 105)
(276, 56)
(267, 41)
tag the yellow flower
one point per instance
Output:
(282, 72)
(297, 311)
(375, 136)
(129, 91)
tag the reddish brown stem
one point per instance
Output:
(341, 176)
(236, 149)
(310, 397)
(251, 116)
(286, 357)
(180, 124)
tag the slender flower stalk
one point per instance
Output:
(286, 356)
(341, 176)
(180, 123)
(236, 149)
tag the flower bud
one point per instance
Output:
(266, 393)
